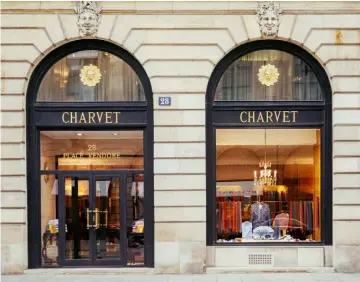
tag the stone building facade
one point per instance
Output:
(179, 44)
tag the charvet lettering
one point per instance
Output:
(268, 116)
(90, 117)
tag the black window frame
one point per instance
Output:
(224, 111)
(42, 116)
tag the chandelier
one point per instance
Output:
(265, 177)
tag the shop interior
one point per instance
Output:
(268, 185)
(92, 151)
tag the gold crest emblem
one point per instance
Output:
(90, 75)
(268, 75)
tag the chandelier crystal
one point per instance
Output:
(266, 176)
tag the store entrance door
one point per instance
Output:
(92, 218)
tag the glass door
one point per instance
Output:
(75, 219)
(92, 218)
(110, 219)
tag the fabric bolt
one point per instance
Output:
(230, 216)
(310, 217)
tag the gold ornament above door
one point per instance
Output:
(268, 75)
(90, 75)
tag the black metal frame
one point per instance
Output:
(36, 123)
(92, 260)
(324, 123)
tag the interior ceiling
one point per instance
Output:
(120, 135)
(270, 137)
(257, 150)
(253, 154)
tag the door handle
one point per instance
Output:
(88, 219)
(97, 218)
(106, 218)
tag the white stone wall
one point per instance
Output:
(179, 45)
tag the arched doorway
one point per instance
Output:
(90, 158)
(269, 148)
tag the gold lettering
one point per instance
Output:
(63, 117)
(99, 116)
(241, 116)
(82, 118)
(260, 115)
(108, 117)
(277, 115)
(73, 117)
(91, 117)
(286, 116)
(65, 155)
(117, 117)
(251, 116)
(294, 115)
(269, 116)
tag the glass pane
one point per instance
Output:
(49, 221)
(77, 217)
(108, 218)
(268, 75)
(268, 185)
(135, 219)
(90, 76)
(91, 150)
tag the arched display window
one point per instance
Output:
(269, 147)
(89, 158)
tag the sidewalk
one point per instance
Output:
(243, 277)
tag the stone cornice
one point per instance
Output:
(183, 8)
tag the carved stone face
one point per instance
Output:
(269, 23)
(88, 23)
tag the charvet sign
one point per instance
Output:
(268, 116)
(276, 117)
(90, 117)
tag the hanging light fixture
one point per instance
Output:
(265, 177)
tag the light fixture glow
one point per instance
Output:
(115, 134)
(79, 134)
